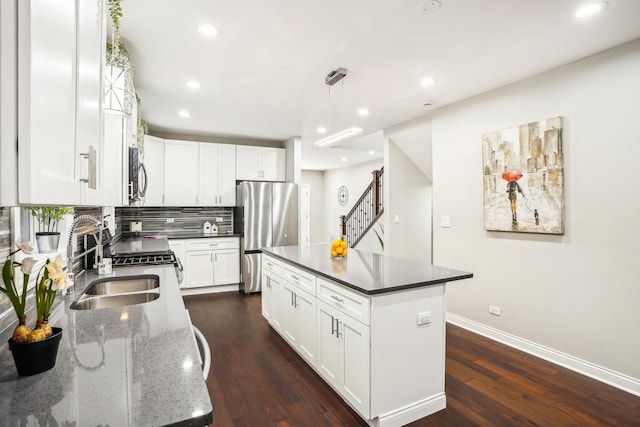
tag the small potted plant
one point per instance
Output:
(34, 350)
(47, 236)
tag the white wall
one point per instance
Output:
(315, 180)
(579, 293)
(356, 178)
(407, 207)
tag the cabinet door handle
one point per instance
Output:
(338, 328)
(92, 168)
(295, 300)
(215, 257)
(292, 299)
(337, 298)
(333, 325)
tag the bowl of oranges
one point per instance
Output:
(339, 248)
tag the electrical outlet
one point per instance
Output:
(135, 226)
(219, 219)
(170, 220)
(494, 310)
(424, 318)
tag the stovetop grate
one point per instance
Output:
(129, 260)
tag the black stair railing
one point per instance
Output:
(365, 212)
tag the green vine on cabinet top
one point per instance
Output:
(115, 10)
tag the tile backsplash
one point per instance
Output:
(168, 220)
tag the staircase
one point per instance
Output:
(364, 213)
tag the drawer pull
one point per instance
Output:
(293, 276)
(213, 244)
(337, 298)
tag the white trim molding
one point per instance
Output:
(413, 412)
(607, 376)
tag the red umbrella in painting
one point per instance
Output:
(511, 176)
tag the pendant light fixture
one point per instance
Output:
(335, 138)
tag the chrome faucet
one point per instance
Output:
(98, 247)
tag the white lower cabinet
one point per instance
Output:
(368, 348)
(211, 262)
(343, 355)
(298, 320)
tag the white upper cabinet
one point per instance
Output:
(181, 173)
(90, 61)
(114, 125)
(260, 163)
(154, 165)
(8, 102)
(61, 49)
(217, 175)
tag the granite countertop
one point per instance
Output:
(134, 365)
(141, 245)
(186, 234)
(366, 272)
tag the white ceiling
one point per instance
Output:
(264, 76)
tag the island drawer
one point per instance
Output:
(303, 279)
(271, 264)
(351, 303)
(213, 244)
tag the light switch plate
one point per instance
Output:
(445, 221)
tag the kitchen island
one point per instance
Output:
(372, 326)
(135, 365)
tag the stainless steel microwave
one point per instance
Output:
(137, 186)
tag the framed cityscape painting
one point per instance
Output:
(524, 178)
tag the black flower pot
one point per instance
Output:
(35, 357)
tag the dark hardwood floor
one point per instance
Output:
(257, 380)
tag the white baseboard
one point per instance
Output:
(607, 376)
(209, 290)
(413, 412)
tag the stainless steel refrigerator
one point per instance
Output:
(266, 215)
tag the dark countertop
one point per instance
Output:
(135, 365)
(187, 234)
(364, 271)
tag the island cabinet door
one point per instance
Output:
(288, 318)
(266, 296)
(328, 347)
(344, 357)
(305, 312)
(354, 339)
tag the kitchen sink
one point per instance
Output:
(123, 285)
(92, 303)
(118, 291)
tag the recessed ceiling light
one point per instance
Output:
(344, 159)
(427, 81)
(371, 152)
(193, 84)
(184, 113)
(363, 112)
(590, 9)
(208, 30)
(322, 129)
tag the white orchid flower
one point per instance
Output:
(25, 247)
(27, 265)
